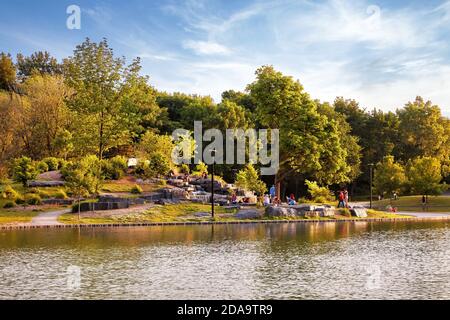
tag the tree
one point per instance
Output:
(248, 179)
(159, 164)
(152, 143)
(7, 72)
(24, 170)
(389, 176)
(80, 180)
(105, 103)
(230, 116)
(39, 63)
(424, 176)
(422, 130)
(310, 144)
(47, 114)
(317, 193)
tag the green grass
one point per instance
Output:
(115, 187)
(184, 212)
(16, 216)
(159, 213)
(414, 204)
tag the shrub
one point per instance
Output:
(319, 194)
(185, 169)
(9, 204)
(115, 168)
(62, 163)
(345, 212)
(20, 200)
(136, 190)
(143, 170)
(52, 163)
(43, 194)
(60, 194)
(34, 190)
(9, 193)
(34, 199)
(42, 167)
(24, 170)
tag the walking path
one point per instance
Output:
(425, 214)
(49, 218)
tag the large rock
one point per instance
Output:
(285, 212)
(359, 212)
(248, 214)
(44, 184)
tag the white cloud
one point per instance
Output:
(206, 47)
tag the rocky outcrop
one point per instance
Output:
(303, 210)
(248, 214)
(359, 212)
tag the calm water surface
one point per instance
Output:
(402, 260)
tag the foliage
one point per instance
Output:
(9, 193)
(114, 168)
(248, 179)
(389, 176)
(9, 204)
(7, 72)
(24, 170)
(33, 199)
(111, 99)
(42, 167)
(52, 163)
(201, 168)
(136, 189)
(159, 164)
(319, 194)
(424, 176)
(82, 177)
(38, 63)
(60, 194)
(185, 169)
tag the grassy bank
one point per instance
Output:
(414, 204)
(186, 212)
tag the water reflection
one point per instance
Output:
(278, 261)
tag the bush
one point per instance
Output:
(62, 163)
(115, 168)
(20, 200)
(42, 167)
(43, 194)
(34, 190)
(60, 194)
(34, 199)
(10, 194)
(319, 194)
(9, 204)
(185, 169)
(52, 163)
(136, 190)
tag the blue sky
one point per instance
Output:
(381, 53)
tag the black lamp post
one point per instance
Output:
(213, 153)
(371, 177)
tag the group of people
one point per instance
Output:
(271, 198)
(343, 199)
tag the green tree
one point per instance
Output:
(38, 63)
(152, 143)
(310, 143)
(422, 130)
(46, 115)
(389, 176)
(80, 180)
(424, 176)
(248, 179)
(24, 170)
(110, 98)
(7, 72)
(319, 194)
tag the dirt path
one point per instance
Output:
(48, 218)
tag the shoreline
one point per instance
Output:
(233, 222)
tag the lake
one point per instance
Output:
(335, 260)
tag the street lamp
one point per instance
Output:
(371, 174)
(213, 154)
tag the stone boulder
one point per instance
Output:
(359, 212)
(285, 212)
(248, 214)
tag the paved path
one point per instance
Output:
(48, 218)
(425, 214)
